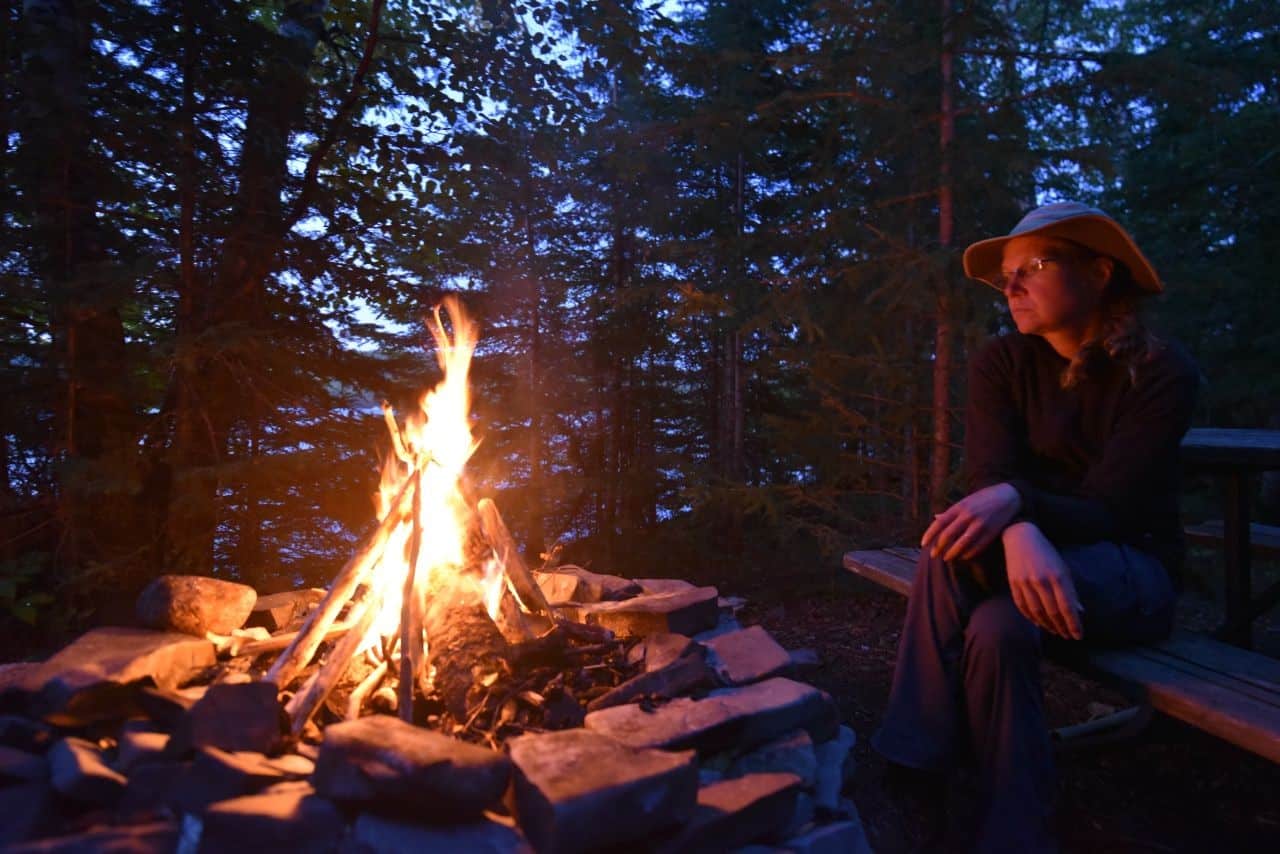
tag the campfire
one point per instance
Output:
(439, 695)
(437, 595)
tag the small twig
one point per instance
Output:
(363, 690)
(397, 438)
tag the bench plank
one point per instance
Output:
(1264, 540)
(1231, 693)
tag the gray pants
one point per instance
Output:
(967, 681)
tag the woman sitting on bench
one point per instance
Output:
(1070, 525)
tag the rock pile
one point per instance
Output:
(159, 739)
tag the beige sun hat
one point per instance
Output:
(1072, 221)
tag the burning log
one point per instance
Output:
(466, 649)
(362, 691)
(304, 646)
(504, 546)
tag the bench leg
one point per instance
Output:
(1108, 729)
(1237, 585)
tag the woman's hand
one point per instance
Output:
(966, 528)
(1041, 582)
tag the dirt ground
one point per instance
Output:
(1170, 789)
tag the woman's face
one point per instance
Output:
(1050, 287)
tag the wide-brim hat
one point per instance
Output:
(1072, 221)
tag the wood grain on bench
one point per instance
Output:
(1229, 692)
(1264, 540)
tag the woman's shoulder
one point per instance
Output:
(1009, 350)
(1171, 360)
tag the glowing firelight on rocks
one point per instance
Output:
(434, 444)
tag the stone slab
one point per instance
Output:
(384, 762)
(20, 766)
(747, 655)
(152, 785)
(217, 775)
(23, 733)
(732, 717)
(576, 790)
(73, 680)
(685, 612)
(792, 753)
(658, 650)
(27, 810)
(135, 747)
(375, 834)
(834, 758)
(79, 772)
(195, 604)
(841, 837)
(286, 818)
(591, 586)
(156, 836)
(245, 716)
(737, 812)
(666, 585)
(276, 611)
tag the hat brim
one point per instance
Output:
(1099, 233)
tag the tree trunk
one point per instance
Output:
(209, 386)
(93, 417)
(944, 338)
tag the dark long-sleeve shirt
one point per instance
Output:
(1095, 462)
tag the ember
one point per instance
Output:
(675, 728)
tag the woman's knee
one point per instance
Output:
(997, 628)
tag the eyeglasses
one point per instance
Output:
(1033, 267)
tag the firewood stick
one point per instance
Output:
(397, 438)
(304, 646)
(279, 642)
(305, 703)
(512, 622)
(504, 546)
(363, 690)
(410, 640)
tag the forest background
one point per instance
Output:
(713, 248)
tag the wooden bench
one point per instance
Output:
(1229, 692)
(1264, 540)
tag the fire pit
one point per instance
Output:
(439, 695)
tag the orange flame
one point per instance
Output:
(435, 444)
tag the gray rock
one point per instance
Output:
(21, 766)
(154, 784)
(792, 753)
(156, 836)
(590, 586)
(659, 650)
(217, 775)
(374, 834)
(736, 812)
(747, 655)
(842, 837)
(78, 772)
(291, 817)
(666, 585)
(560, 588)
(25, 734)
(195, 604)
(732, 717)
(85, 678)
(832, 756)
(166, 708)
(685, 612)
(27, 810)
(578, 791)
(135, 747)
(275, 611)
(805, 812)
(246, 716)
(725, 624)
(383, 761)
(804, 659)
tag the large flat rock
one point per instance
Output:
(242, 716)
(570, 583)
(732, 717)
(375, 834)
(792, 753)
(576, 790)
(289, 817)
(275, 611)
(737, 812)
(195, 604)
(747, 655)
(107, 658)
(390, 764)
(684, 612)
